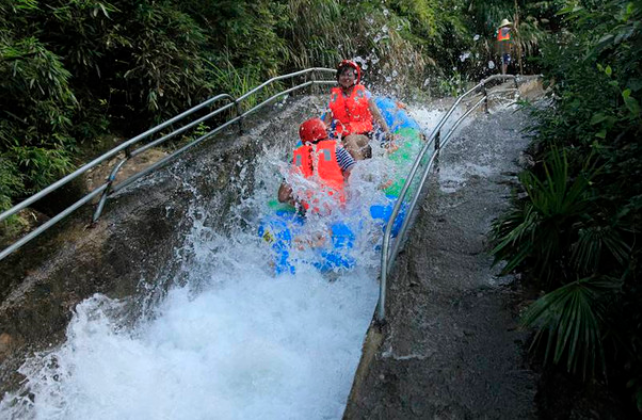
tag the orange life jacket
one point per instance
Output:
(352, 114)
(320, 159)
(503, 34)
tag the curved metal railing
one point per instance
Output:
(108, 188)
(388, 255)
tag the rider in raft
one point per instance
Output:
(352, 109)
(322, 160)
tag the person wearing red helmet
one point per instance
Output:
(353, 111)
(322, 160)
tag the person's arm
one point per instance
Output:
(345, 161)
(327, 119)
(374, 110)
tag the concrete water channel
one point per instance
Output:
(450, 348)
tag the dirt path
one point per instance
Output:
(451, 349)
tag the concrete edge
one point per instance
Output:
(371, 344)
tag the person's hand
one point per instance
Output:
(390, 137)
(386, 184)
(391, 147)
(285, 193)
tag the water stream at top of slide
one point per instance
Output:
(230, 340)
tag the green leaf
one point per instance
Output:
(601, 134)
(608, 71)
(566, 10)
(598, 118)
(632, 105)
(629, 11)
(571, 318)
(605, 40)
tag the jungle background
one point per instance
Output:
(76, 76)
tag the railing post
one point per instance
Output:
(437, 149)
(485, 93)
(104, 196)
(239, 113)
(101, 205)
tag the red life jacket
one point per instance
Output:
(320, 159)
(352, 114)
(503, 34)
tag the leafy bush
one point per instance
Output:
(10, 182)
(577, 231)
(73, 70)
(544, 226)
(37, 106)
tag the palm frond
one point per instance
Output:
(571, 319)
(593, 241)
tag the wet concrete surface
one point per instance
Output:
(451, 348)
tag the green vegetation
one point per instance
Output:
(72, 71)
(577, 230)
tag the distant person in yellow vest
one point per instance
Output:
(504, 43)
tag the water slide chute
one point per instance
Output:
(283, 225)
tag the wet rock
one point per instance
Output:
(6, 346)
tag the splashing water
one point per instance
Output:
(229, 340)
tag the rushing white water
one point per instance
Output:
(231, 340)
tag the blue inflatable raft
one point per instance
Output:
(283, 227)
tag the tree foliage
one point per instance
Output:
(586, 253)
(72, 70)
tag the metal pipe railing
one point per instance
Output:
(165, 160)
(443, 142)
(388, 255)
(37, 232)
(56, 185)
(107, 189)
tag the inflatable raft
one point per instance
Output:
(330, 249)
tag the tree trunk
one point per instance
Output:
(516, 39)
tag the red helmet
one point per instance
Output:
(312, 130)
(349, 63)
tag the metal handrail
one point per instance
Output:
(388, 256)
(107, 189)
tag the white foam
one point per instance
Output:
(228, 340)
